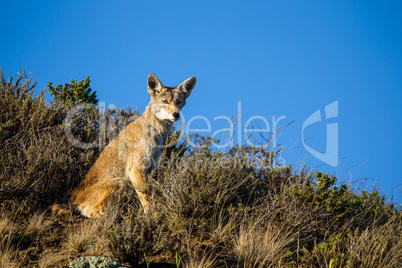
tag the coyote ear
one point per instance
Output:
(154, 85)
(187, 86)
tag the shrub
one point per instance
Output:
(74, 93)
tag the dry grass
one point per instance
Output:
(200, 260)
(88, 237)
(7, 227)
(7, 254)
(39, 224)
(52, 260)
(81, 239)
(261, 244)
(376, 247)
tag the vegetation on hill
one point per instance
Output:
(209, 208)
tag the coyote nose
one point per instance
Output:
(176, 115)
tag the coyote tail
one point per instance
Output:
(61, 210)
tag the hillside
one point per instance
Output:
(209, 208)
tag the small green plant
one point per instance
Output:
(331, 263)
(335, 245)
(178, 259)
(147, 261)
(74, 93)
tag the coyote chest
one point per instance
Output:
(142, 152)
(152, 150)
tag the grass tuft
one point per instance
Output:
(39, 224)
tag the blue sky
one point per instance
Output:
(272, 58)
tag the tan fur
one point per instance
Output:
(134, 153)
(61, 211)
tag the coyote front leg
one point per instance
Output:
(137, 179)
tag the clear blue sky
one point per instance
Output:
(278, 58)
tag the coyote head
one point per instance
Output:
(167, 102)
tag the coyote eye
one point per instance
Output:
(165, 102)
(178, 102)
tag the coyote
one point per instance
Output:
(134, 153)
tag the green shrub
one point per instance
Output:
(74, 93)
